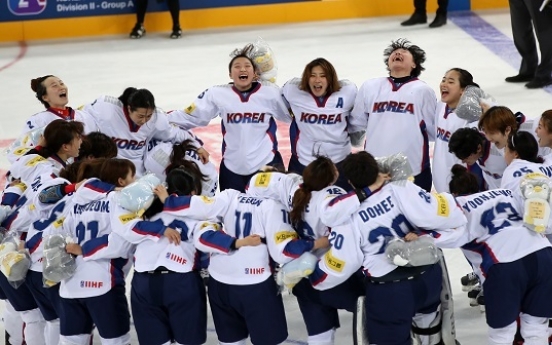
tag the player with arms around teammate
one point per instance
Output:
(398, 112)
(248, 110)
(514, 260)
(243, 295)
(95, 294)
(131, 120)
(395, 295)
(321, 104)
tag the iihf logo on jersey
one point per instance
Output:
(91, 284)
(26, 7)
(254, 270)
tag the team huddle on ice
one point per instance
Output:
(118, 184)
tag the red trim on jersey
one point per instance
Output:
(245, 98)
(319, 103)
(447, 111)
(65, 114)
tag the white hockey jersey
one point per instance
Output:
(43, 118)
(391, 212)
(248, 126)
(319, 126)
(446, 124)
(514, 172)
(492, 165)
(45, 215)
(153, 250)
(274, 185)
(495, 229)
(107, 115)
(105, 254)
(158, 158)
(396, 119)
(242, 215)
(546, 166)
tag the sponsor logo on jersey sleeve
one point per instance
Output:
(262, 180)
(206, 199)
(35, 161)
(190, 109)
(282, 236)
(333, 263)
(125, 218)
(442, 205)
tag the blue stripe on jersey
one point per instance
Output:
(486, 253)
(9, 199)
(295, 248)
(9, 220)
(318, 276)
(99, 186)
(177, 203)
(116, 271)
(342, 197)
(271, 132)
(223, 130)
(178, 224)
(34, 242)
(145, 228)
(217, 240)
(198, 140)
(92, 246)
(294, 133)
(425, 146)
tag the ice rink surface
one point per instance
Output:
(176, 71)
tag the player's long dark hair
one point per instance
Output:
(329, 71)
(318, 175)
(465, 78)
(96, 145)
(56, 134)
(462, 181)
(37, 85)
(525, 145)
(179, 182)
(137, 98)
(178, 160)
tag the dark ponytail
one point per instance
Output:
(318, 175)
(462, 181)
(137, 98)
(37, 85)
(178, 160)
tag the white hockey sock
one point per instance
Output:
(80, 339)
(13, 324)
(534, 330)
(325, 338)
(52, 332)
(241, 342)
(122, 340)
(34, 327)
(504, 335)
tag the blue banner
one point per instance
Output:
(18, 10)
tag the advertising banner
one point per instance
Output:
(18, 10)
